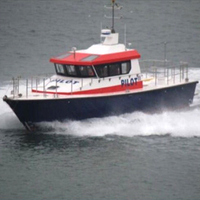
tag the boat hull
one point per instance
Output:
(33, 111)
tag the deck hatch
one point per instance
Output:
(63, 55)
(90, 58)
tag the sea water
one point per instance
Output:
(131, 156)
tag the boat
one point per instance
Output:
(105, 79)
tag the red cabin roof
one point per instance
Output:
(80, 58)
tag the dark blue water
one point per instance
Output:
(133, 156)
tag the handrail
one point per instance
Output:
(166, 70)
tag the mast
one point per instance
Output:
(114, 6)
(113, 15)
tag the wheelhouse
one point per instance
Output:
(101, 71)
(85, 65)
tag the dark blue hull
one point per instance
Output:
(32, 111)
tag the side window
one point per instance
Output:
(90, 71)
(102, 70)
(125, 66)
(83, 71)
(86, 71)
(71, 70)
(114, 69)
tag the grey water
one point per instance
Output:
(133, 156)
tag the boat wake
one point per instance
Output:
(177, 124)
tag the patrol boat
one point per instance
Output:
(103, 80)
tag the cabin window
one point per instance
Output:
(85, 71)
(60, 69)
(125, 67)
(113, 69)
(102, 70)
(71, 70)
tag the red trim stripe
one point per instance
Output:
(113, 89)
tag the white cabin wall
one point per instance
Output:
(135, 67)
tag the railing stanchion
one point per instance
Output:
(183, 69)
(44, 86)
(31, 83)
(36, 82)
(187, 73)
(155, 69)
(18, 85)
(26, 88)
(174, 79)
(13, 87)
(167, 76)
(71, 87)
(82, 83)
(56, 89)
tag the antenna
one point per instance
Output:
(165, 51)
(114, 6)
(100, 31)
(74, 51)
(113, 15)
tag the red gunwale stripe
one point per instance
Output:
(113, 89)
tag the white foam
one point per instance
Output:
(3, 91)
(178, 124)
